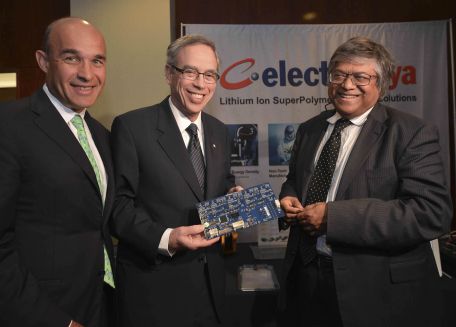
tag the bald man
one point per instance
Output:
(56, 186)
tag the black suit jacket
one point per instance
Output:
(392, 199)
(157, 188)
(52, 221)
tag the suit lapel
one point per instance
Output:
(371, 132)
(211, 148)
(174, 147)
(51, 123)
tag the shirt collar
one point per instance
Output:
(182, 121)
(66, 113)
(358, 121)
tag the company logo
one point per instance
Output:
(240, 84)
(272, 76)
(241, 74)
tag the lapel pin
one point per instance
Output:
(213, 145)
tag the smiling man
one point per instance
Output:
(168, 157)
(365, 194)
(56, 190)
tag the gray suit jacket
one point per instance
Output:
(392, 199)
(157, 188)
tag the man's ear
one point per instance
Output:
(42, 60)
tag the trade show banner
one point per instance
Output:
(273, 77)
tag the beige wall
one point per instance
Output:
(137, 33)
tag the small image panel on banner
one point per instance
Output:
(281, 138)
(244, 144)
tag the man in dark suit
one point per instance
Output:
(56, 189)
(363, 209)
(168, 274)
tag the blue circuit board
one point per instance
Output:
(252, 206)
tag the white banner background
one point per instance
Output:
(276, 75)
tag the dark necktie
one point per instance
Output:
(320, 183)
(322, 176)
(196, 156)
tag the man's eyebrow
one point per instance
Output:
(355, 72)
(100, 57)
(69, 51)
(194, 68)
(76, 52)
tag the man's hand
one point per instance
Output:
(189, 238)
(75, 324)
(292, 206)
(236, 188)
(313, 218)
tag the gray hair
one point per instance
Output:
(360, 47)
(182, 42)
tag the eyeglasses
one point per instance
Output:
(192, 74)
(359, 79)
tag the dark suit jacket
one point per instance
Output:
(392, 199)
(52, 220)
(157, 188)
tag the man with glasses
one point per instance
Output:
(57, 190)
(365, 194)
(168, 157)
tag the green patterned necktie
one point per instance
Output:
(82, 136)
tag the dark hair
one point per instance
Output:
(360, 47)
(45, 46)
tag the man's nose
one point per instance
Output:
(199, 80)
(85, 70)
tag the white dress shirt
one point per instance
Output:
(182, 123)
(349, 135)
(67, 115)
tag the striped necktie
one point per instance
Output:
(196, 156)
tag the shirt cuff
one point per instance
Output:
(164, 241)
